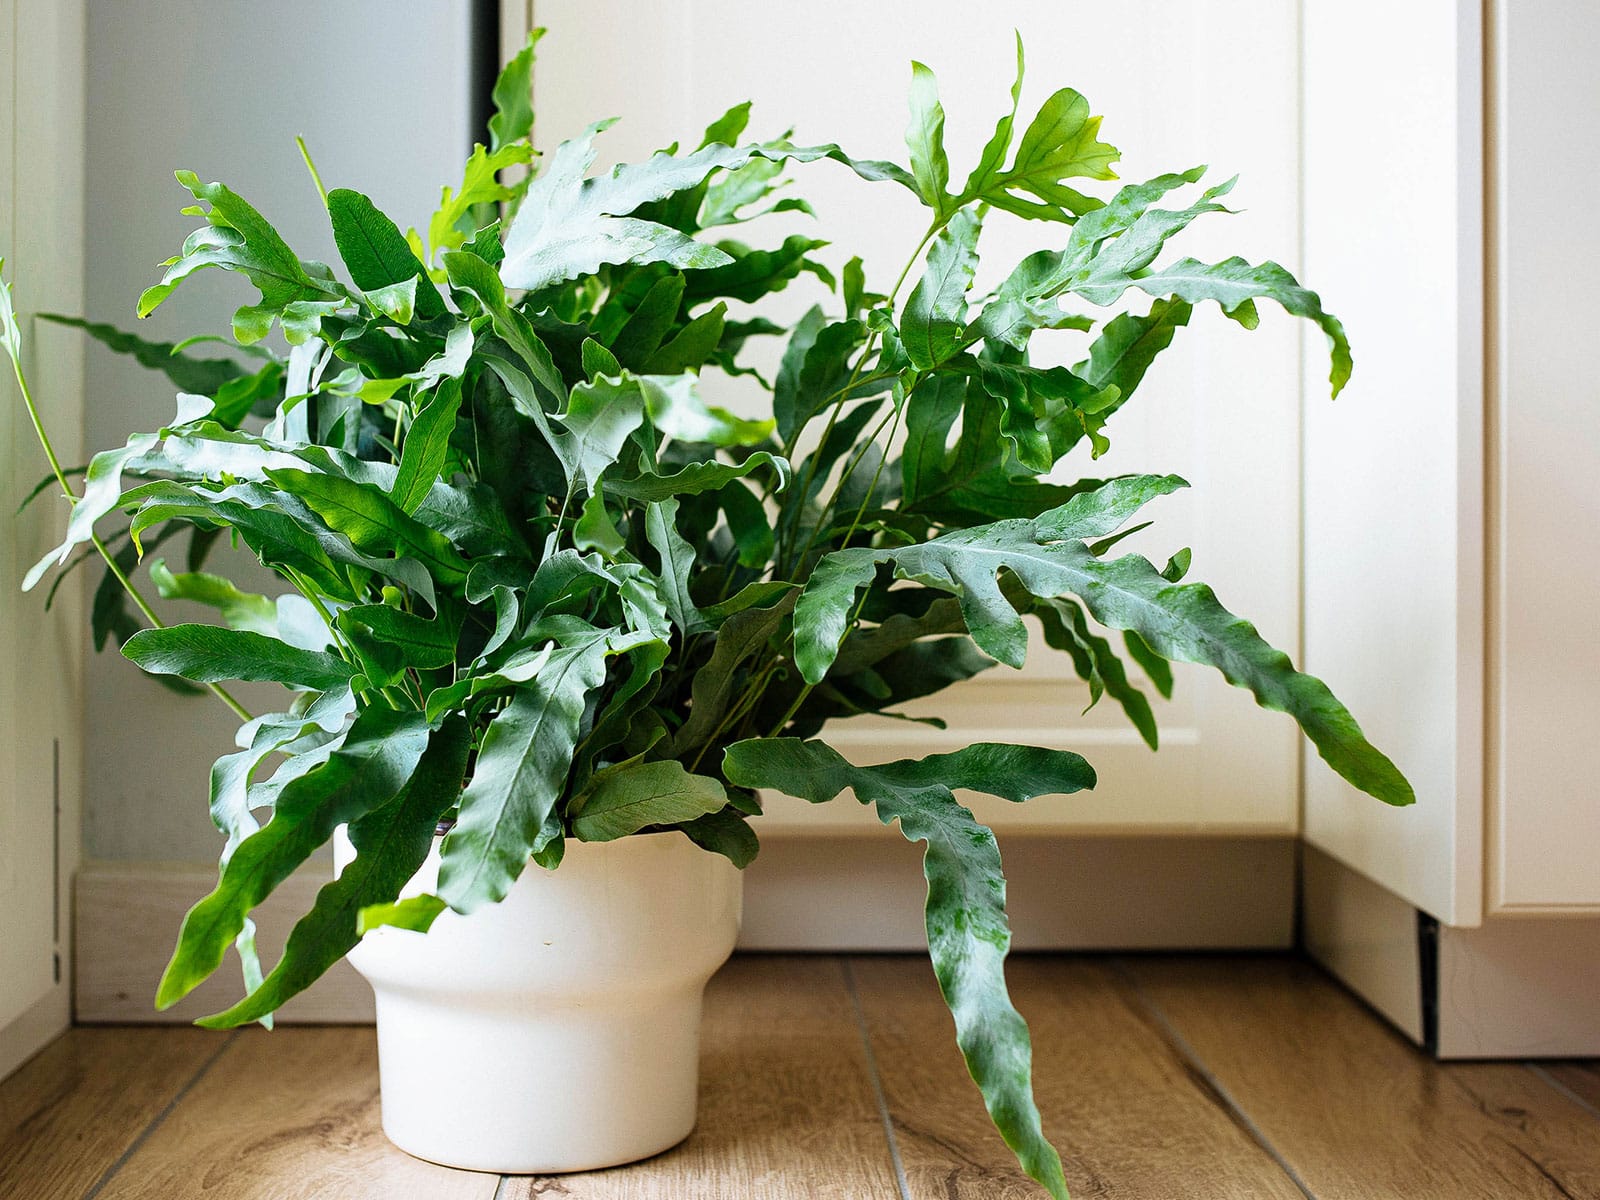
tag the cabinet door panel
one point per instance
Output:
(1209, 82)
(1393, 480)
(1544, 523)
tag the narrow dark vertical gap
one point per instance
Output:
(483, 67)
(55, 857)
(157, 1121)
(1204, 1075)
(1428, 971)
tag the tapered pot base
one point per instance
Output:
(558, 1030)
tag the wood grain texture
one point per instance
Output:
(71, 1111)
(1126, 1112)
(1358, 1111)
(787, 1107)
(287, 1115)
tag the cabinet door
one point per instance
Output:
(40, 182)
(1208, 82)
(1393, 471)
(1544, 462)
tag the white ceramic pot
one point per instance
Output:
(558, 1030)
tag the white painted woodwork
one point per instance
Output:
(1170, 893)
(1512, 987)
(1216, 83)
(1544, 522)
(1392, 472)
(1364, 934)
(41, 224)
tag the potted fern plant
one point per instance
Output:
(553, 620)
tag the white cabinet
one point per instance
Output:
(41, 48)
(1458, 527)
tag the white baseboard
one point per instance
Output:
(818, 894)
(1365, 935)
(44, 1021)
(1514, 987)
(1084, 893)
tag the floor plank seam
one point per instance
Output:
(1195, 1064)
(877, 1083)
(157, 1121)
(1543, 1074)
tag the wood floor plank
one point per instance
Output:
(287, 1115)
(1359, 1112)
(73, 1109)
(1128, 1117)
(787, 1107)
(1580, 1078)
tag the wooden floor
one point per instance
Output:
(838, 1078)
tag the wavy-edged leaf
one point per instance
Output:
(427, 445)
(241, 610)
(102, 489)
(206, 654)
(1108, 244)
(237, 238)
(570, 226)
(391, 843)
(692, 345)
(1236, 284)
(727, 833)
(694, 478)
(649, 323)
(968, 932)
(374, 763)
(930, 166)
(1061, 142)
(816, 368)
(416, 913)
(372, 521)
(752, 273)
(521, 772)
(628, 797)
(1048, 556)
(513, 97)
(398, 639)
(187, 373)
(1066, 627)
(480, 184)
(677, 559)
(932, 324)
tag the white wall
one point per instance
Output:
(379, 91)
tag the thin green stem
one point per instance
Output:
(746, 701)
(312, 167)
(120, 575)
